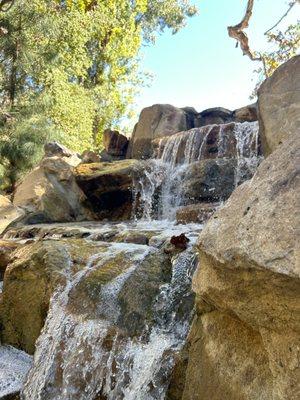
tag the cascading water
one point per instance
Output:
(160, 189)
(115, 328)
(88, 350)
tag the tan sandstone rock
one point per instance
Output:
(279, 105)
(197, 213)
(50, 194)
(8, 213)
(245, 340)
(36, 269)
(154, 122)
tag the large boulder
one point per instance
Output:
(279, 105)
(28, 283)
(245, 338)
(108, 188)
(50, 194)
(9, 213)
(216, 115)
(246, 114)
(154, 122)
(115, 143)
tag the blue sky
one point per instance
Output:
(200, 66)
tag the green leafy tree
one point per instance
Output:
(73, 66)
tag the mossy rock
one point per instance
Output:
(29, 281)
(93, 170)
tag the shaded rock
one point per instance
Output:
(178, 377)
(246, 114)
(108, 188)
(137, 297)
(50, 194)
(209, 180)
(197, 213)
(9, 213)
(105, 157)
(180, 242)
(28, 283)
(6, 249)
(154, 122)
(216, 115)
(89, 156)
(115, 143)
(249, 274)
(279, 105)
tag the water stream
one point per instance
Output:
(160, 191)
(115, 328)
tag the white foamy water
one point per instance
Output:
(14, 367)
(159, 191)
(82, 353)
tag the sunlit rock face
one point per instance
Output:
(49, 193)
(157, 121)
(279, 105)
(8, 213)
(245, 339)
(29, 281)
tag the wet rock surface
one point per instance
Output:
(123, 306)
(197, 213)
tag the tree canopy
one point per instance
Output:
(70, 68)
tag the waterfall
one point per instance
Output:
(84, 351)
(159, 191)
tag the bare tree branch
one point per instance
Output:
(284, 15)
(236, 32)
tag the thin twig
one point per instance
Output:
(284, 15)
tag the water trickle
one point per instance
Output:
(247, 151)
(159, 190)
